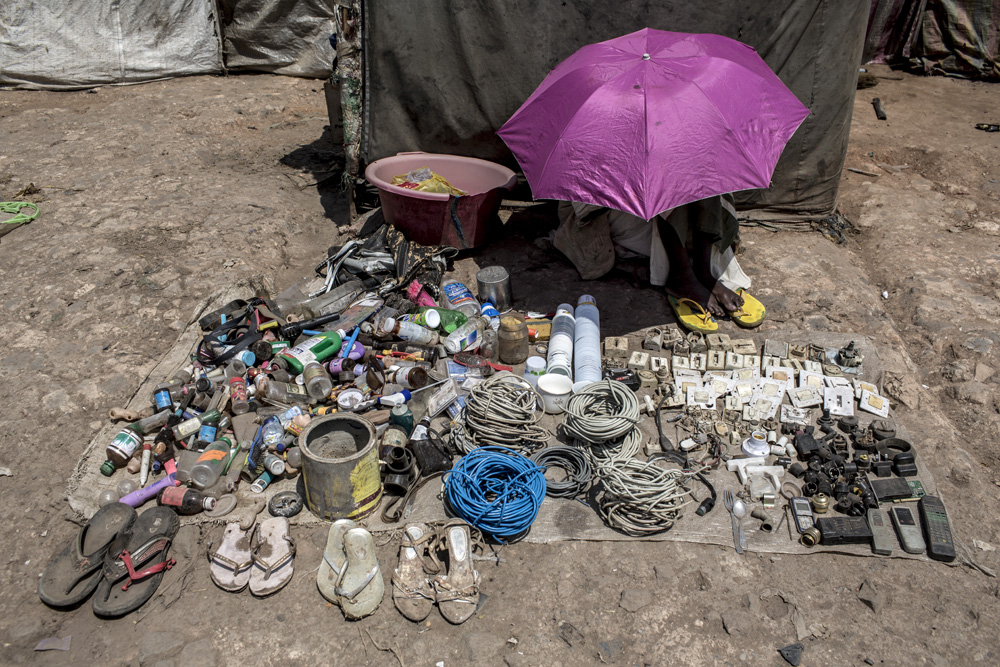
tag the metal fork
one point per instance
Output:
(729, 500)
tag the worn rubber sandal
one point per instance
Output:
(272, 557)
(361, 586)
(75, 572)
(135, 563)
(334, 559)
(691, 315)
(751, 314)
(457, 592)
(411, 591)
(232, 561)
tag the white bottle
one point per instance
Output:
(411, 332)
(468, 336)
(456, 296)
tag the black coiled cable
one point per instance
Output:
(573, 462)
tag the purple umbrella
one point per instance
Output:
(652, 120)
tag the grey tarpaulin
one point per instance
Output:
(955, 37)
(282, 36)
(65, 44)
(444, 75)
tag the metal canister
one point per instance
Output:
(493, 283)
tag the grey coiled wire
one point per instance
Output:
(573, 462)
(606, 410)
(640, 498)
(502, 411)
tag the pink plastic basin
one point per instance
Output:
(431, 218)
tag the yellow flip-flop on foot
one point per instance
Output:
(751, 314)
(692, 316)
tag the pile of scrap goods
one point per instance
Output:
(346, 395)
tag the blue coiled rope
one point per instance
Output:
(496, 490)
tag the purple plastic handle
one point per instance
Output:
(139, 496)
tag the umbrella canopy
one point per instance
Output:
(652, 120)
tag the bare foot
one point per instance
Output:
(693, 290)
(724, 300)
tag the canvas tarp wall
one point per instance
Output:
(282, 36)
(444, 75)
(954, 37)
(65, 44)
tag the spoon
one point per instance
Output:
(740, 511)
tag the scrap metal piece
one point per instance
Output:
(776, 348)
(793, 415)
(873, 403)
(616, 348)
(653, 339)
(671, 336)
(699, 361)
(719, 341)
(733, 361)
(639, 361)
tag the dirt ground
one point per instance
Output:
(152, 195)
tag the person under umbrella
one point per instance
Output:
(654, 127)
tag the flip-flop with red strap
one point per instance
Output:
(135, 563)
(75, 572)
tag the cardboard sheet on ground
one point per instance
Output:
(558, 519)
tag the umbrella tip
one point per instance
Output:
(645, 56)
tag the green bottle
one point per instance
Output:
(450, 319)
(317, 348)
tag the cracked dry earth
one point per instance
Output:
(154, 196)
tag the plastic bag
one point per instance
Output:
(425, 180)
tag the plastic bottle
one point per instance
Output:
(272, 431)
(161, 397)
(121, 449)
(317, 381)
(191, 426)
(334, 301)
(317, 348)
(262, 482)
(392, 400)
(185, 501)
(449, 319)
(288, 415)
(425, 317)
(490, 311)
(411, 332)
(466, 337)
(458, 297)
(209, 427)
(208, 466)
(128, 440)
(402, 416)
(274, 464)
